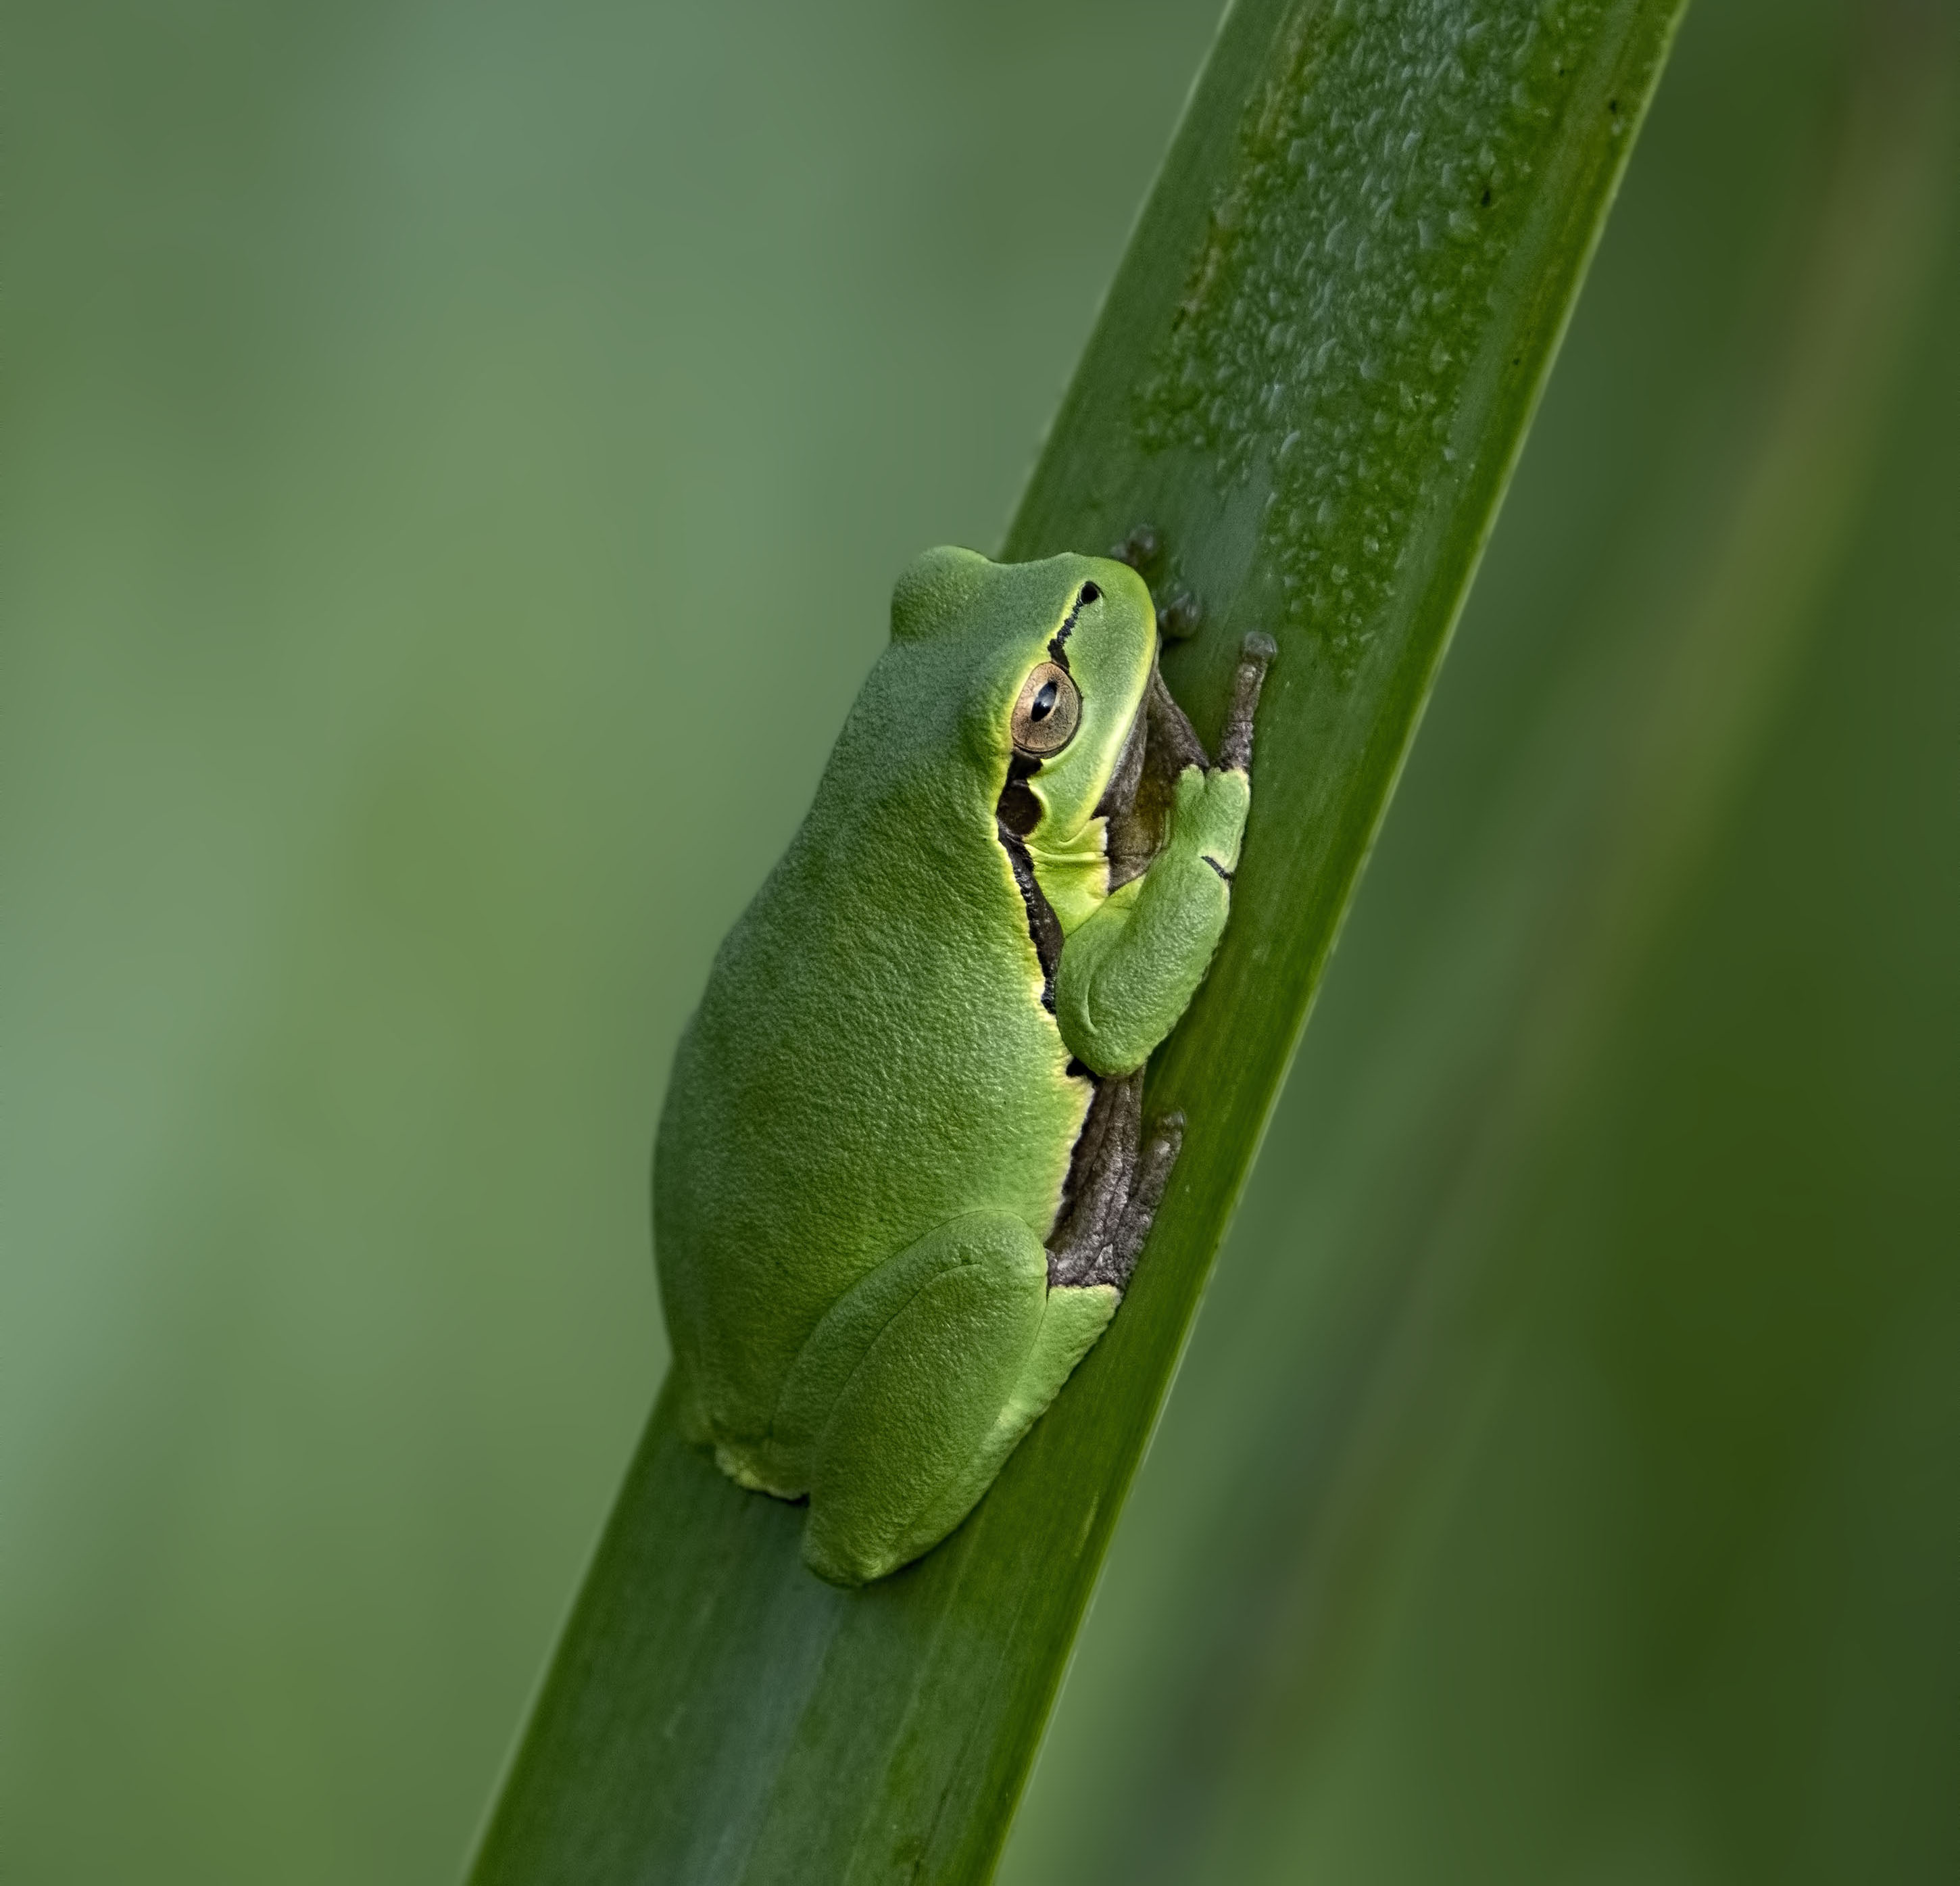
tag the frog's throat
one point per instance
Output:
(1074, 876)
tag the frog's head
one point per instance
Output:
(1054, 659)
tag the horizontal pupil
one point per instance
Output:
(1044, 702)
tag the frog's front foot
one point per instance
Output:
(1256, 654)
(1182, 617)
(1139, 550)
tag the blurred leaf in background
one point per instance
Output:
(1562, 1482)
(440, 440)
(427, 426)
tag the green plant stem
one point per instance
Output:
(1313, 377)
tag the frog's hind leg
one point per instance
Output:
(918, 1384)
(1099, 1179)
(1131, 1231)
(1115, 1186)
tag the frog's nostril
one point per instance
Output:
(1090, 594)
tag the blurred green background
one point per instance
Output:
(455, 459)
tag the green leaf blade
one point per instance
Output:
(715, 1714)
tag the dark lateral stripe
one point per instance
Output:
(1058, 650)
(1215, 866)
(1044, 931)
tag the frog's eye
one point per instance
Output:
(1048, 712)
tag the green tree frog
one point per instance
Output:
(901, 1178)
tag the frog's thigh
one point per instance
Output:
(838, 1346)
(906, 1387)
(1071, 1320)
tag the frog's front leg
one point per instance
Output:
(1129, 971)
(917, 1383)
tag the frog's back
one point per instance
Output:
(871, 1056)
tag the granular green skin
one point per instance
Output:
(874, 1111)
